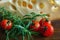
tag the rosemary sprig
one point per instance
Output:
(19, 27)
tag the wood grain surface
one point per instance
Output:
(56, 36)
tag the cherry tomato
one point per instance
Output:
(44, 20)
(35, 26)
(47, 29)
(6, 24)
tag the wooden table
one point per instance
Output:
(56, 36)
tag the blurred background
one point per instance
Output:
(51, 7)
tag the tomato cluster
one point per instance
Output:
(44, 27)
(6, 24)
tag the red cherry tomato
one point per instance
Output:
(44, 20)
(47, 29)
(35, 26)
(6, 24)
